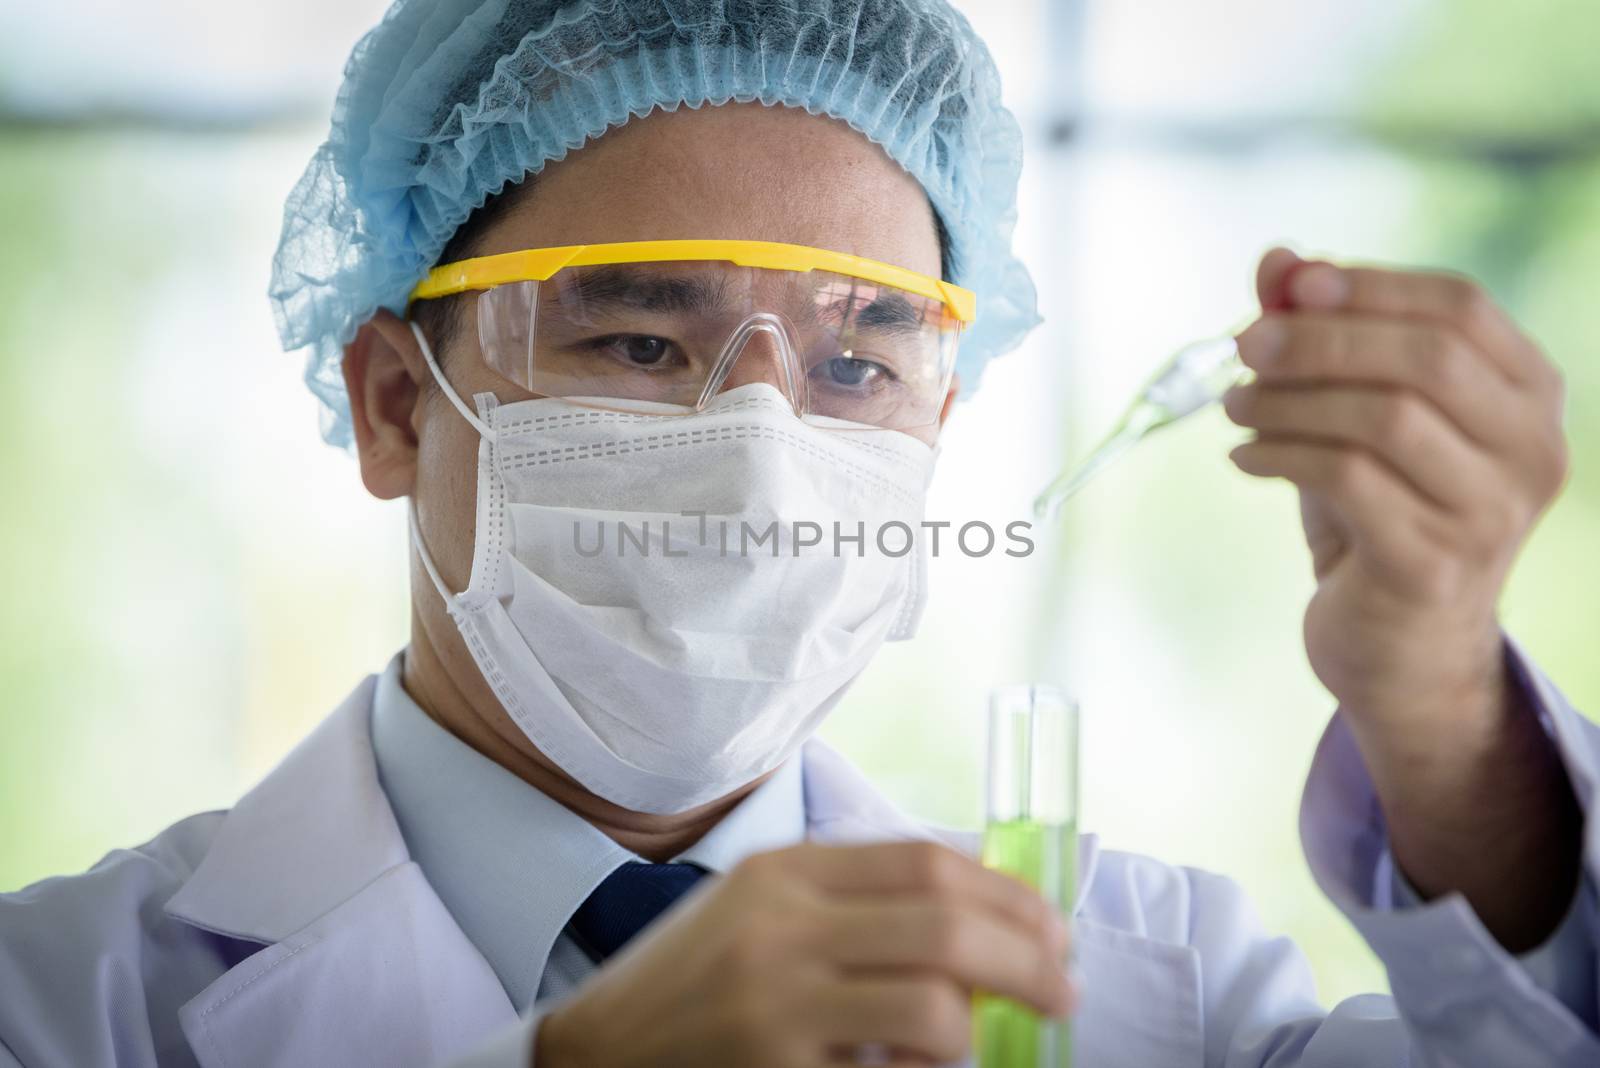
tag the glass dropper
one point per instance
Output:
(1196, 376)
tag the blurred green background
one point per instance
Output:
(192, 579)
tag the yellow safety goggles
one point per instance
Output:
(666, 321)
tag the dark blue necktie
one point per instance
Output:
(626, 902)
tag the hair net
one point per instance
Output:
(446, 101)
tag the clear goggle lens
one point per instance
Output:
(676, 333)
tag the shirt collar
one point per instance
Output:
(510, 863)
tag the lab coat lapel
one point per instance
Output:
(1141, 997)
(385, 978)
(362, 963)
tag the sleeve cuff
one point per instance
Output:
(1459, 989)
(1563, 965)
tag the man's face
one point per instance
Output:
(737, 171)
(741, 171)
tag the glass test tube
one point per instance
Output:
(1032, 833)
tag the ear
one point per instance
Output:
(383, 371)
(949, 399)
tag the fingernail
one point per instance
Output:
(1261, 342)
(1319, 285)
(1278, 298)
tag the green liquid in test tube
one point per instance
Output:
(1031, 833)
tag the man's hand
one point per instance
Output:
(800, 956)
(1423, 431)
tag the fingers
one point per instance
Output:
(1396, 425)
(1284, 281)
(1445, 299)
(1430, 384)
(879, 1057)
(917, 1016)
(1306, 348)
(898, 937)
(927, 868)
(1379, 511)
(975, 948)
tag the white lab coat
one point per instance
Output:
(294, 930)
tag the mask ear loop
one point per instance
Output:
(468, 414)
(427, 560)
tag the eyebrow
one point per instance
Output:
(889, 313)
(892, 312)
(649, 292)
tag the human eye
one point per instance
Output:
(646, 352)
(853, 373)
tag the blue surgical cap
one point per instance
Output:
(445, 102)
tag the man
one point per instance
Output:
(552, 306)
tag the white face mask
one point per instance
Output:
(663, 674)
